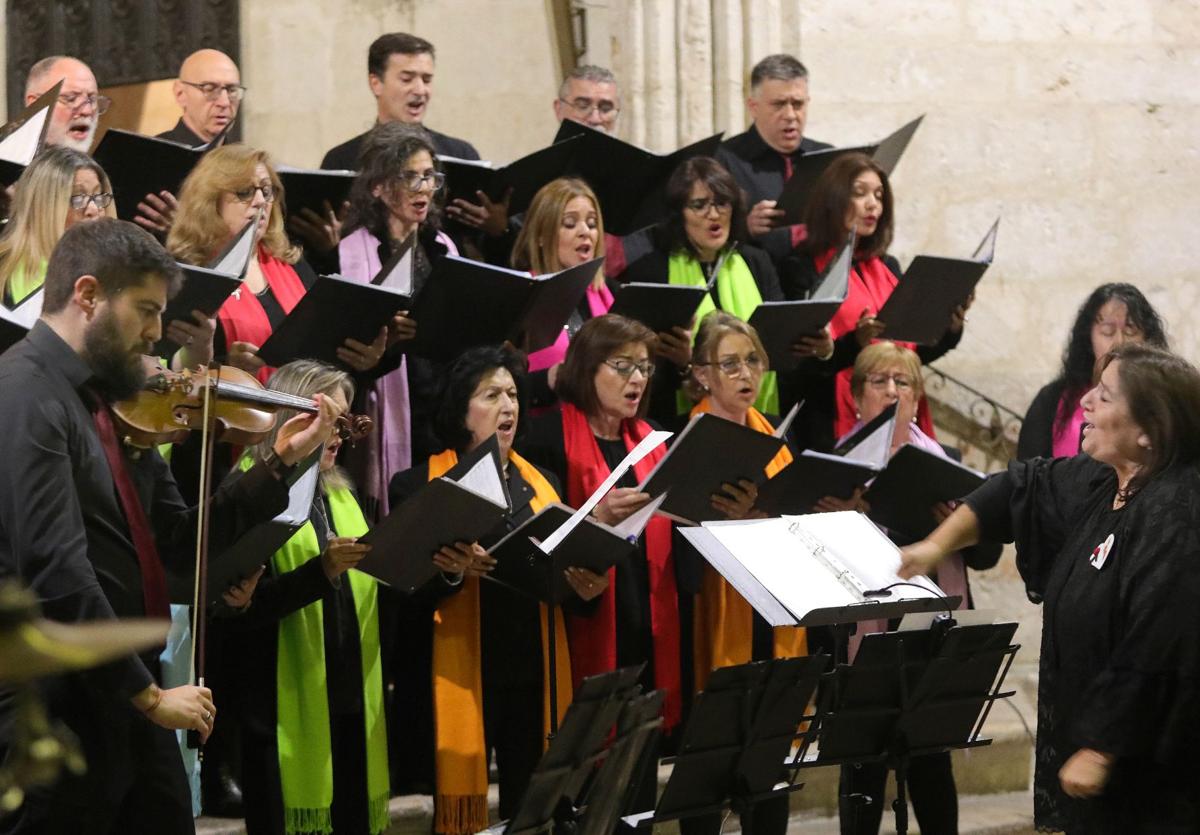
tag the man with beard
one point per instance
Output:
(83, 522)
(80, 105)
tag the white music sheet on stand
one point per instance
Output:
(780, 559)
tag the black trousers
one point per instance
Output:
(512, 721)
(262, 789)
(930, 787)
(134, 776)
(768, 817)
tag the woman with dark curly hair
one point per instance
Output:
(702, 240)
(1112, 315)
(392, 199)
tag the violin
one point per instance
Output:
(242, 411)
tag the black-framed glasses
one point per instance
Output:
(583, 107)
(79, 202)
(246, 195)
(701, 205)
(732, 366)
(212, 91)
(626, 367)
(75, 101)
(412, 181)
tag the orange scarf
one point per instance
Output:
(724, 621)
(460, 806)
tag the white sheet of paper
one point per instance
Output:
(631, 528)
(27, 312)
(836, 283)
(786, 423)
(238, 258)
(635, 455)
(21, 145)
(400, 278)
(300, 497)
(877, 448)
(485, 480)
(986, 251)
(864, 549)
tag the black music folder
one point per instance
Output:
(234, 257)
(444, 511)
(709, 452)
(903, 496)
(202, 289)
(920, 307)
(139, 165)
(809, 478)
(628, 180)
(809, 168)
(524, 176)
(333, 310)
(255, 547)
(305, 188)
(465, 303)
(22, 137)
(781, 324)
(16, 321)
(522, 565)
(659, 307)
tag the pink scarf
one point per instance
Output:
(387, 450)
(1066, 437)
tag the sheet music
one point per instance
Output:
(861, 547)
(300, 497)
(27, 311)
(784, 425)
(836, 283)
(648, 443)
(484, 480)
(986, 251)
(877, 448)
(237, 259)
(633, 525)
(400, 277)
(21, 145)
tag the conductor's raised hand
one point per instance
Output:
(620, 504)
(867, 329)
(920, 558)
(586, 584)
(304, 433)
(363, 357)
(341, 554)
(676, 346)
(736, 501)
(186, 708)
(763, 218)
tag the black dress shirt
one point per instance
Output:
(345, 156)
(760, 170)
(62, 530)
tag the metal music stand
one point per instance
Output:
(735, 746)
(910, 693)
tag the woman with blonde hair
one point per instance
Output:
(563, 228)
(60, 188)
(230, 186)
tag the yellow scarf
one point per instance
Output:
(724, 621)
(460, 806)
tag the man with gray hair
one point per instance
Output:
(76, 115)
(589, 95)
(763, 158)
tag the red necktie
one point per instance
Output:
(798, 232)
(154, 579)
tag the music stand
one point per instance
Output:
(573, 752)
(910, 693)
(735, 745)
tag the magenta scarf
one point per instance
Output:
(1065, 441)
(387, 450)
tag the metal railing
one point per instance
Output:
(982, 427)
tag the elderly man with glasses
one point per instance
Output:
(80, 105)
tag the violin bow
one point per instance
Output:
(200, 595)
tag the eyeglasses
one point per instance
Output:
(79, 202)
(584, 107)
(412, 181)
(76, 101)
(732, 366)
(626, 367)
(246, 195)
(902, 381)
(212, 92)
(701, 205)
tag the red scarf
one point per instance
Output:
(242, 316)
(870, 285)
(594, 639)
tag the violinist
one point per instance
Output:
(91, 526)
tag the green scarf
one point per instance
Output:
(738, 294)
(302, 732)
(23, 282)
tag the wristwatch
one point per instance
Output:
(275, 465)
